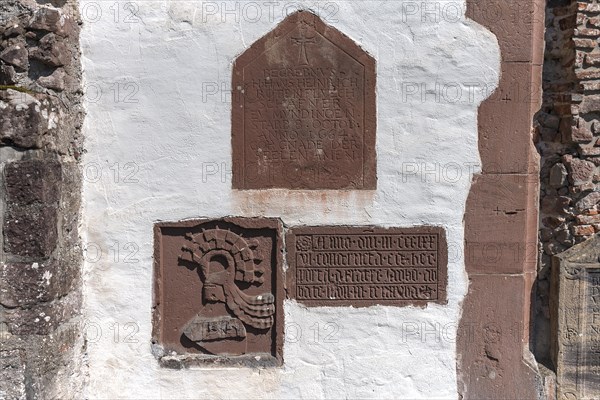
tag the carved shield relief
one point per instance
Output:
(218, 292)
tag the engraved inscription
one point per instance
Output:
(302, 40)
(366, 267)
(575, 320)
(590, 370)
(303, 110)
(206, 329)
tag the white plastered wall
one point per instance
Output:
(158, 140)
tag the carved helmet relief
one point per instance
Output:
(225, 262)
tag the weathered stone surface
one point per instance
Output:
(589, 201)
(587, 32)
(581, 133)
(583, 230)
(55, 81)
(364, 266)
(51, 51)
(26, 284)
(591, 8)
(33, 181)
(506, 144)
(506, 202)
(592, 73)
(575, 317)
(588, 219)
(593, 59)
(42, 318)
(558, 175)
(492, 338)
(219, 292)
(549, 120)
(16, 55)
(584, 43)
(8, 75)
(21, 123)
(303, 110)
(51, 20)
(590, 104)
(516, 24)
(41, 351)
(12, 374)
(501, 214)
(13, 29)
(580, 171)
(31, 231)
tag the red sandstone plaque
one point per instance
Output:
(218, 292)
(364, 266)
(303, 110)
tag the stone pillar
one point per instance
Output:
(40, 253)
(501, 213)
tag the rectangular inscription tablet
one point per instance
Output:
(363, 266)
(575, 320)
(303, 110)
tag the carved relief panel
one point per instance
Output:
(218, 292)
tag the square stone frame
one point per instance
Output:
(201, 360)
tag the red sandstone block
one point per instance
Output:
(505, 144)
(593, 59)
(587, 32)
(583, 230)
(588, 73)
(501, 224)
(492, 336)
(518, 25)
(585, 43)
(588, 219)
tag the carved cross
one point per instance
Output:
(303, 40)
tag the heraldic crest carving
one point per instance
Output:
(226, 263)
(218, 292)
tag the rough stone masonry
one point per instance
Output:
(41, 349)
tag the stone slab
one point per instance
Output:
(506, 144)
(33, 181)
(518, 26)
(501, 224)
(364, 266)
(303, 110)
(219, 292)
(575, 321)
(491, 340)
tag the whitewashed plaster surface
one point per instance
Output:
(155, 117)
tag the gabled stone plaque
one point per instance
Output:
(218, 292)
(303, 110)
(575, 321)
(364, 266)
